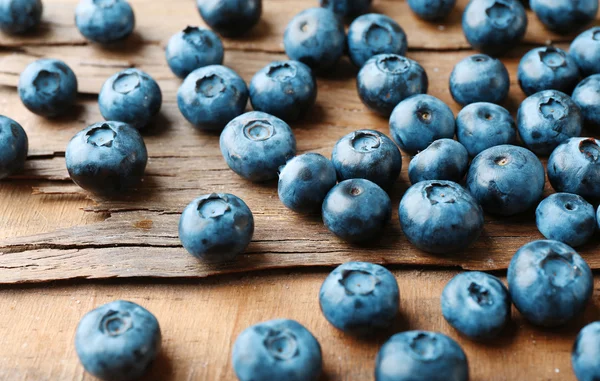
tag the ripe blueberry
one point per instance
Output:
(479, 78)
(432, 10)
(547, 68)
(373, 34)
(444, 159)
(13, 147)
(104, 21)
(565, 16)
(587, 97)
(347, 9)
(574, 167)
(193, 48)
(230, 18)
(584, 357)
(567, 218)
(480, 126)
(585, 50)
(20, 16)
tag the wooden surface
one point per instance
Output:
(50, 230)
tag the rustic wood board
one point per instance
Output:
(132, 236)
(201, 320)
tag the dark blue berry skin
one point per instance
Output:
(130, 96)
(104, 21)
(494, 26)
(107, 158)
(285, 89)
(360, 298)
(356, 210)
(305, 181)
(212, 96)
(13, 147)
(480, 126)
(586, 354)
(547, 68)
(48, 87)
(506, 179)
(549, 282)
(479, 78)
(316, 38)
(373, 34)
(193, 48)
(347, 9)
(216, 227)
(20, 16)
(567, 218)
(547, 119)
(440, 217)
(565, 16)
(444, 159)
(419, 121)
(367, 154)
(118, 341)
(387, 79)
(431, 10)
(587, 97)
(477, 305)
(585, 50)
(230, 18)
(421, 356)
(256, 144)
(277, 350)
(574, 167)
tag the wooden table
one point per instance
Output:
(55, 239)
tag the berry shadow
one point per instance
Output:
(130, 46)
(312, 120)
(342, 71)
(75, 113)
(160, 370)
(160, 125)
(260, 31)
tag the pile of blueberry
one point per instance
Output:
(549, 283)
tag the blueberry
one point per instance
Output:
(356, 210)
(547, 119)
(48, 87)
(285, 89)
(494, 26)
(587, 97)
(387, 79)
(193, 48)
(256, 144)
(547, 68)
(421, 356)
(107, 157)
(479, 78)
(549, 282)
(13, 147)
(277, 350)
(305, 181)
(586, 353)
(419, 121)
(565, 16)
(476, 304)
(360, 297)
(574, 167)
(444, 159)
(373, 34)
(432, 10)
(230, 18)
(480, 126)
(440, 217)
(212, 96)
(118, 341)
(585, 50)
(367, 154)
(130, 96)
(316, 38)
(216, 227)
(347, 9)
(104, 21)
(567, 218)
(20, 16)
(506, 179)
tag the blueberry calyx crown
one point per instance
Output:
(479, 58)
(47, 82)
(552, 108)
(365, 141)
(502, 160)
(126, 82)
(101, 136)
(196, 37)
(213, 206)
(480, 294)
(281, 72)
(377, 36)
(596, 34)
(559, 269)
(258, 130)
(281, 345)
(358, 282)
(393, 64)
(590, 150)
(438, 193)
(115, 323)
(552, 57)
(210, 86)
(425, 347)
(501, 14)
(424, 114)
